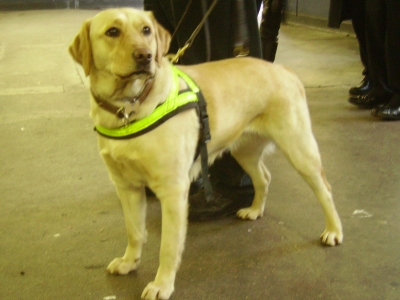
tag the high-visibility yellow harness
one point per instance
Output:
(176, 102)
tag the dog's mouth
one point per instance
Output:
(135, 74)
(139, 72)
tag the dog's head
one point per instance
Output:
(125, 43)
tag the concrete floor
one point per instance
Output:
(61, 222)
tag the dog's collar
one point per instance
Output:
(177, 101)
(125, 111)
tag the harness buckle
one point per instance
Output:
(205, 132)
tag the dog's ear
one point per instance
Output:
(163, 38)
(81, 50)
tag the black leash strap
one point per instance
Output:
(205, 137)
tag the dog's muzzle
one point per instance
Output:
(143, 58)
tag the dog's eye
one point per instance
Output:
(146, 30)
(113, 32)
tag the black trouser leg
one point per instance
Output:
(269, 29)
(383, 42)
(358, 21)
(375, 32)
(227, 173)
(392, 44)
(391, 25)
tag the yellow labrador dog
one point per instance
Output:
(250, 103)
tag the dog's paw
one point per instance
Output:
(250, 213)
(332, 237)
(157, 292)
(120, 267)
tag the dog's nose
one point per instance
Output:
(142, 56)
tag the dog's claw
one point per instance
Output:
(249, 213)
(156, 292)
(120, 267)
(332, 238)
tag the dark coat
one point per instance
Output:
(339, 11)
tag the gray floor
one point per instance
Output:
(61, 223)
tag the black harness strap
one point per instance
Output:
(205, 137)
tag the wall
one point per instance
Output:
(59, 4)
(311, 8)
(307, 12)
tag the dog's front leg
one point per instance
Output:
(133, 201)
(174, 222)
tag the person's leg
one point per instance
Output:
(391, 110)
(357, 8)
(226, 174)
(375, 26)
(269, 28)
(222, 30)
(375, 33)
(251, 11)
(358, 21)
(392, 44)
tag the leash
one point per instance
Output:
(189, 42)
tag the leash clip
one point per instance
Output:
(127, 110)
(174, 59)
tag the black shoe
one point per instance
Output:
(232, 187)
(225, 203)
(375, 97)
(365, 86)
(389, 111)
(228, 199)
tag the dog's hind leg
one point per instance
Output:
(133, 201)
(248, 151)
(296, 140)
